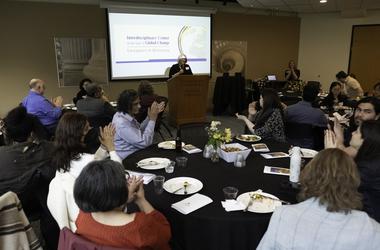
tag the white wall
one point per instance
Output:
(324, 46)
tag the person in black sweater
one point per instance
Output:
(334, 97)
(82, 90)
(368, 161)
(25, 170)
(180, 68)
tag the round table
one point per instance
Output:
(211, 227)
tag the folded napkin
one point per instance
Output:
(275, 155)
(233, 205)
(191, 203)
(146, 176)
(191, 149)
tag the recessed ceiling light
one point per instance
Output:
(323, 1)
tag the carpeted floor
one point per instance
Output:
(231, 122)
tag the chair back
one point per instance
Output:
(304, 135)
(71, 241)
(194, 133)
(15, 230)
(99, 121)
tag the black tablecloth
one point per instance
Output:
(211, 227)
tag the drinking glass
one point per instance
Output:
(207, 151)
(181, 161)
(158, 182)
(170, 167)
(230, 193)
(239, 161)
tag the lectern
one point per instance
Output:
(187, 99)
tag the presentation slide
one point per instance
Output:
(146, 46)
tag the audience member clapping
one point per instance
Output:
(102, 192)
(365, 149)
(268, 122)
(48, 112)
(130, 134)
(147, 97)
(69, 159)
(82, 90)
(96, 104)
(327, 216)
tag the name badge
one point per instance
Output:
(187, 68)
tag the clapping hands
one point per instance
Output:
(57, 101)
(155, 109)
(252, 108)
(106, 137)
(241, 117)
(334, 136)
(135, 188)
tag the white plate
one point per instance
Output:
(168, 144)
(194, 185)
(153, 163)
(266, 205)
(308, 153)
(248, 138)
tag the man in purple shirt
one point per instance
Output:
(36, 104)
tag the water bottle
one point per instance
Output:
(295, 166)
(178, 142)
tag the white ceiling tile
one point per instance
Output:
(349, 4)
(303, 8)
(371, 4)
(296, 2)
(271, 3)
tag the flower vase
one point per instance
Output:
(214, 156)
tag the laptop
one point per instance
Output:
(271, 77)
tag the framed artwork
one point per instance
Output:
(78, 58)
(229, 57)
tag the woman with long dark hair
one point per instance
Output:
(69, 158)
(365, 149)
(334, 97)
(328, 215)
(268, 122)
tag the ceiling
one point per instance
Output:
(308, 6)
(351, 7)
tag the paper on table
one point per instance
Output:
(146, 176)
(233, 205)
(191, 149)
(276, 170)
(274, 155)
(260, 147)
(191, 203)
